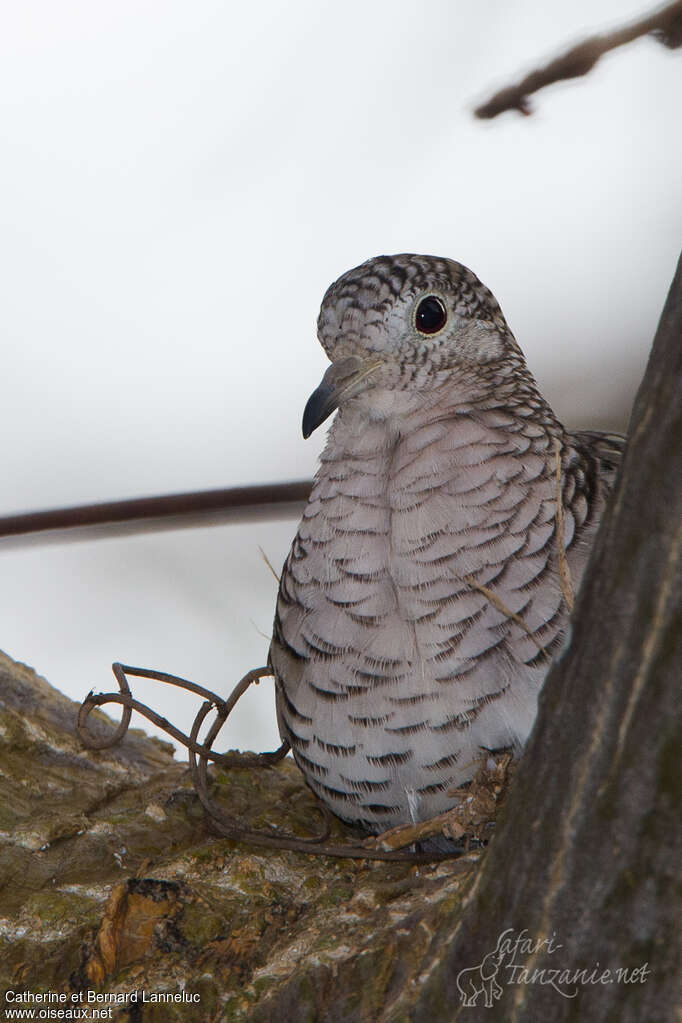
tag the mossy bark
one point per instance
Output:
(111, 882)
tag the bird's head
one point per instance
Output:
(407, 324)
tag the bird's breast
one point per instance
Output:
(394, 534)
(386, 643)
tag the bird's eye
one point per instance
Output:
(431, 315)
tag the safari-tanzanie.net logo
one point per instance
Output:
(519, 958)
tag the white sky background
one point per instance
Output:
(179, 185)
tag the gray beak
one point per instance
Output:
(343, 380)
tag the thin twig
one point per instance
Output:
(564, 568)
(267, 561)
(501, 606)
(260, 631)
(257, 503)
(664, 24)
(200, 753)
(408, 834)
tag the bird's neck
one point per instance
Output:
(506, 409)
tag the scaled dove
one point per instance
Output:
(396, 675)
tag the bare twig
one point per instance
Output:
(200, 753)
(267, 561)
(407, 834)
(501, 606)
(472, 816)
(261, 502)
(664, 24)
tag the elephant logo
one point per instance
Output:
(475, 981)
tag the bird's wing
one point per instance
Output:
(606, 448)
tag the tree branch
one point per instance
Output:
(257, 503)
(664, 24)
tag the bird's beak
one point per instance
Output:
(343, 380)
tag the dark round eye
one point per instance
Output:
(431, 315)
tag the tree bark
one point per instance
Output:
(112, 884)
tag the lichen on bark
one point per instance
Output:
(112, 881)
